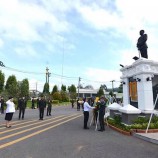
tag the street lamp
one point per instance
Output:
(112, 85)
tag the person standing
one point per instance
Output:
(86, 109)
(33, 103)
(42, 106)
(78, 104)
(49, 107)
(101, 106)
(2, 105)
(9, 111)
(22, 106)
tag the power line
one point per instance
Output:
(54, 74)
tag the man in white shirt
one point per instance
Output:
(86, 109)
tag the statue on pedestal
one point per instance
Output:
(141, 44)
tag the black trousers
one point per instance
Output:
(2, 109)
(21, 111)
(86, 117)
(41, 113)
(49, 109)
(78, 107)
(33, 106)
(101, 120)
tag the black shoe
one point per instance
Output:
(100, 130)
(86, 128)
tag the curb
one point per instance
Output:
(145, 138)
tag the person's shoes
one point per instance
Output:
(41, 118)
(100, 130)
(86, 128)
(8, 126)
(49, 114)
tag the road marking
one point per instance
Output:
(14, 134)
(29, 125)
(35, 133)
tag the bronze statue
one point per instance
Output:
(141, 44)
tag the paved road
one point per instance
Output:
(62, 136)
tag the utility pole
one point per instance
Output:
(112, 85)
(47, 75)
(79, 79)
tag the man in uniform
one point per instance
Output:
(22, 106)
(101, 106)
(42, 106)
(2, 105)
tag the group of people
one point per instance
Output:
(22, 104)
(98, 112)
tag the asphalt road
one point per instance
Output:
(62, 136)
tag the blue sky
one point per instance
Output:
(81, 38)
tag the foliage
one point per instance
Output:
(100, 92)
(57, 96)
(2, 79)
(55, 101)
(24, 88)
(117, 123)
(11, 86)
(140, 120)
(64, 96)
(55, 89)
(63, 88)
(120, 89)
(72, 91)
(111, 93)
(46, 88)
(89, 87)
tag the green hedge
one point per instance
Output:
(55, 101)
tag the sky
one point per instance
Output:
(74, 38)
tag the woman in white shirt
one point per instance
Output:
(86, 108)
(9, 111)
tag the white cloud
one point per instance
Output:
(102, 76)
(1, 43)
(26, 51)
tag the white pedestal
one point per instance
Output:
(140, 70)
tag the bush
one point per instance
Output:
(57, 96)
(55, 101)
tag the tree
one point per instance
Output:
(120, 89)
(46, 88)
(63, 88)
(11, 86)
(100, 92)
(111, 93)
(72, 91)
(64, 96)
(55, 89)
(103, 86)
(24, 88)
(2, 79)
(89, 87)
(56, 96)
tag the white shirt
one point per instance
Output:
(87, 107)
(10, 107)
